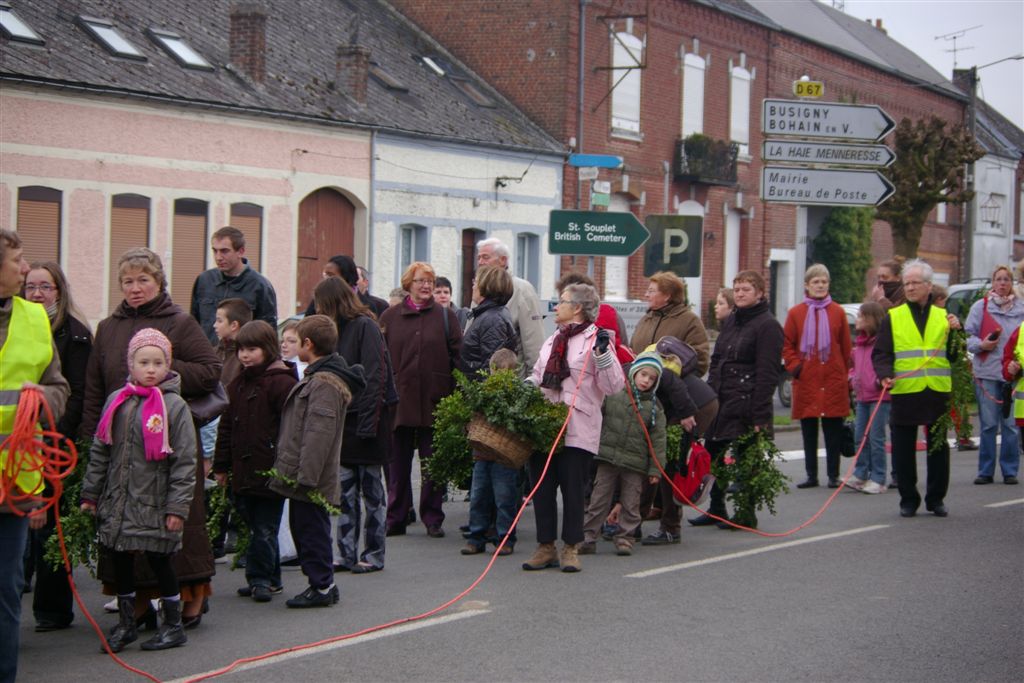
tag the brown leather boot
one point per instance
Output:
(570, 558)
(543, 557)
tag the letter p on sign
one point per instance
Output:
(676, 242)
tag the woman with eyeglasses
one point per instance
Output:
(425, 342)
(46, 284)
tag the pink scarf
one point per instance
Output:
(816, 321)
(154, 420)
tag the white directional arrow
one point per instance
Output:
(832, 153)
(825, 120)
(823, 186)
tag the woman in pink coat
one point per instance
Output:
(816, 351)
(578, 349)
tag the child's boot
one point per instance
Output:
(171, 632)
(125, 632)
(543, 557)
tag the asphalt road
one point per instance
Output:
(860, 595)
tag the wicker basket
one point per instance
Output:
(511, 450)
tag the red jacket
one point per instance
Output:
(820, 388)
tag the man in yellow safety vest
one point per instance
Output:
(28, 358)
(910, 359)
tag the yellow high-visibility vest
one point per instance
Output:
(1018, 391)
(921, 361)
(24, 357)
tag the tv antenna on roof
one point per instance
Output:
(953, 37)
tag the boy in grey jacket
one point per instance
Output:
(309, 454)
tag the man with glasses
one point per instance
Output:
(911, 361)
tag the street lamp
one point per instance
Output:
(991, 211)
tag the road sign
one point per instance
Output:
(600, 199)
(675, 245)
(598, 160)
(833, 153)
(604, 186)
(825, 120)
(824, 186)
(814, 89)
(587, 173)
(594, 233)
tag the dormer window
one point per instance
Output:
(386, 79)
(432, 65)
(177, 48)
(473, 93)
(109, 37)
(15, 28)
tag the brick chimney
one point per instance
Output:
(248, 40)
(878, 25)
(353, 70)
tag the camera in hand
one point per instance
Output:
(994, 335)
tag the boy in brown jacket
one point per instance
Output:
(309, 454)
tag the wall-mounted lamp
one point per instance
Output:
(991, 210)
(709, 237)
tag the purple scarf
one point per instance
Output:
(154, 420)
(816, 329)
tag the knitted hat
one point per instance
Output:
(149, 337)
(651, 361)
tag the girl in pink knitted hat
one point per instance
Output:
(139, 483)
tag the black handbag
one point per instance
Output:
(205, 409)
(1007, 399)
(847, 444)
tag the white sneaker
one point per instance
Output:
(111, 607)
(855, 483)
(872, 487)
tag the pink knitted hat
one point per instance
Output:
(149, 337)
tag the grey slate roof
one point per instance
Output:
(302, 37)
(997, 134)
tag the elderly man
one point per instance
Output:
(911, 361)
(524, 304)
(232, 278)
(28, 358)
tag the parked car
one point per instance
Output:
(962, 296)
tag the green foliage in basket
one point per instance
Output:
(79, 527)
(505, 401)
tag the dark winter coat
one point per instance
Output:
(423, 358)
(194, 359)
(74, 345)
(248, 430)
(820, 388)
(133, 495)
(211, 287)
(745, 369)
(312, 424)
(673, 320)
(623, 443)
(490, 329)
(368, 422)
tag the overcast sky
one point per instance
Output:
(916, 23)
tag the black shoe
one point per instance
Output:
(294, 562)
(435, 532)
(261, 594)
(725, 526)
(982, 479)
(45, 626)
(833, 482)
(967, 445)
(1011, 480)
(808, 483)
(395, 531)
(907, 511)
(411, 517)
(246, 591)
(939, 510)
(339, 567)
(660, 537)
(703, 520)
(311, 597)
(464, 528)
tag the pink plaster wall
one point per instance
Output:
(6, 210)
(86, 217)
(280, 269)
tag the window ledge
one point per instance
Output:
(627, 135)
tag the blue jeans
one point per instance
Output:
(262, 514)
(871, 461)
(13, 534)
(494, 486)
(991, 417)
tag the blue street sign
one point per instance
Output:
(598, 160)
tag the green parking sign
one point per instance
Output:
(675, 245)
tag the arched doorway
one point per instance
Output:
(326, 228)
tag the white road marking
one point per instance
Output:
(327, 647)
(755, 551)
(1003, 504)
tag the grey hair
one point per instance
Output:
(816, 270)
(496, 245)
(586, 297)
(927, 272)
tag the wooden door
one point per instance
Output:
(470, 236)
(326, 228)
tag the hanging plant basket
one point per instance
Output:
(498, 443)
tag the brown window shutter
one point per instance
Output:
(39, 224)
(188, 256)
(249, 219)
(129, 228)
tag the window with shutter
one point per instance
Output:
(739, 108)
(249, 219)
(627, 51)
(129, 228)
(188, 257)
(39, 223)
(693, 95)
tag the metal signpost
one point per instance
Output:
(595, 233)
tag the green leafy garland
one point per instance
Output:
(961, 396)
(219, 505)
(315, 497)
(752, 461)
(79, 527)
(673, 444)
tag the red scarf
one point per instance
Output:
(154, 420)
(557, 369)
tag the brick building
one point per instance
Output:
(634, 78)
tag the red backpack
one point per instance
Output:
(696, 482)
